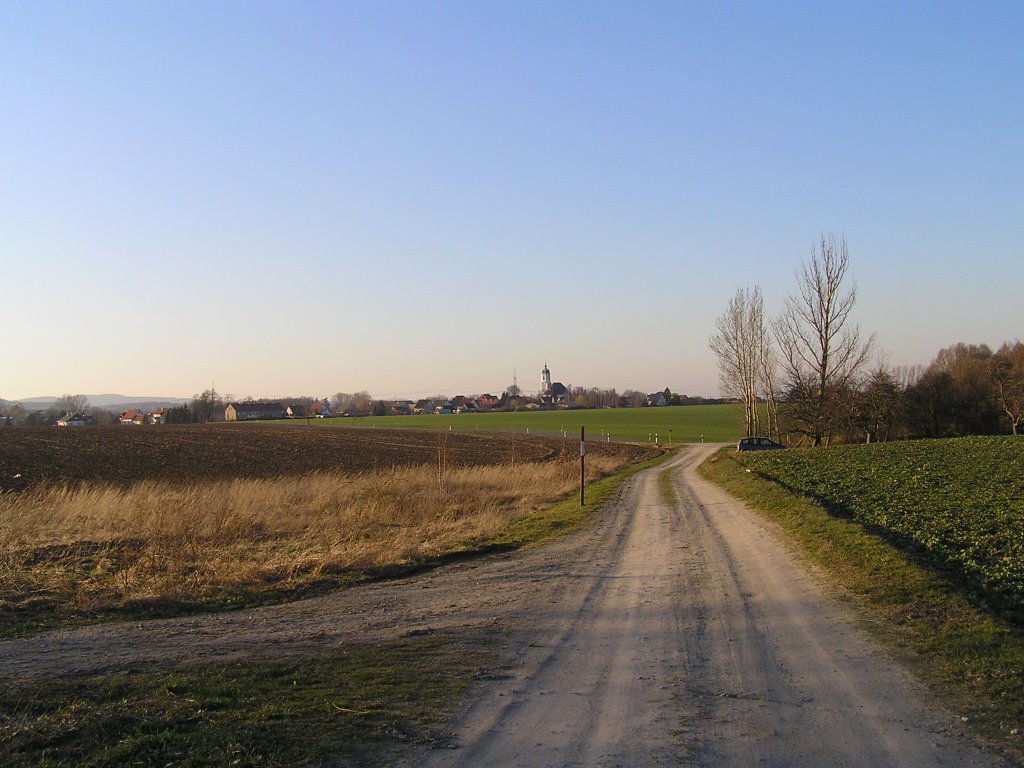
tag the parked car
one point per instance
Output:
(758, 444)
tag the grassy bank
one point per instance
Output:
(351, 706)
(932, 616)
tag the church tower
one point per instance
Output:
(545, 380)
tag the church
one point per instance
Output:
(556, 393)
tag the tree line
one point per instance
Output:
(810, 376)
(16, 414)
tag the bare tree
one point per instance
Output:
(880, 404)
(207, 406)
(743, 348)
(821, 351)
(956, 394)
(907, 376)
(1008, 377)
(362, 401)
(101, 416)
(632, 398)
(71, 404)
(769, 384)
(341, 401)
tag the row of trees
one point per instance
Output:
(65, 405)
(808, 373)
(968, 389)
(594, 397)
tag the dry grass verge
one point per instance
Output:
(72, 551)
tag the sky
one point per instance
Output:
(417, 198)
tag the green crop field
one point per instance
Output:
(675, 424)
(959, 502)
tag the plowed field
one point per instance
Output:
(123, 455)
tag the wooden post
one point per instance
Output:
(583, 463)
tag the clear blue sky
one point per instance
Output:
(411, 198)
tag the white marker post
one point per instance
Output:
(583, 460)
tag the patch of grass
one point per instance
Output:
(667, 488)
(973, 659)
(351, 706)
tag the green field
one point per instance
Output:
(674, 424)
(958, 502)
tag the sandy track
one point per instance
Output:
(686, 634)
(666, 634)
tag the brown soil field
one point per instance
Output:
(124, 455)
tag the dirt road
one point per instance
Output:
(669, 633)
(686, 634)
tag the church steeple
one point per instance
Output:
(545, 380)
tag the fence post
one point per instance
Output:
(583, 460)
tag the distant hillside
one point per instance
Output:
(113, 402)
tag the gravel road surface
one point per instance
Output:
(685, 633)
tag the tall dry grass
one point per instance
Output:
(98, 547)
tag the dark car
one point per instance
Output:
(758, 444)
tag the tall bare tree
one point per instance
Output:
(956, 395)
(879, 404)
(769, 383)
(71, 404)
(821, 350)
(743, 348)
(207, 406)
(1008, 376)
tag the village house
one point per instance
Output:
(319, 410)
(74, 420)
(487, 402)
(660, 399)
(657, 399)
(463, 404)
(133, 416)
